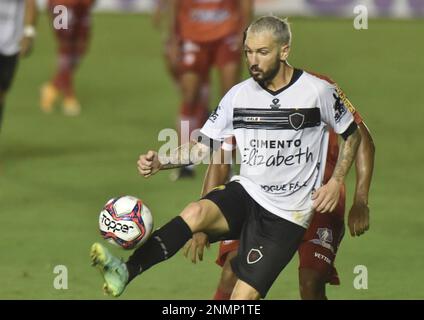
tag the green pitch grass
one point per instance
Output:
(57, 172)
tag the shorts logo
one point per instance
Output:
(325, 235)
(254, 256)
(296, 120)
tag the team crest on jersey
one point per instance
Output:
(296, 120)
(275, 104)
(254, 256)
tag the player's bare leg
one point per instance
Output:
(191, 84)
(51, 90)
(311, 285)
(244, 291)
(229, 75)
(228, 279)
(204, 215)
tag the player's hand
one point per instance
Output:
(148, 164)
(26, 46)
(327, 196)
(358, 219)
(194, 247)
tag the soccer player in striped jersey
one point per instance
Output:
(280, 118)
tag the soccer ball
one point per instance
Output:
(125, 221)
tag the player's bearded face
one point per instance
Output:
(266, 73)
(263, 56)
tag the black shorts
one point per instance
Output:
(267, 242)
(7, 70)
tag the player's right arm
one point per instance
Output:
(190, 153)
(218, 127)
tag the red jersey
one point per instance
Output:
(207, 20)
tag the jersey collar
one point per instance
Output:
(296, 75)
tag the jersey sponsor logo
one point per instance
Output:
(209, 15)
(274, 144)
(283, 188)
(254, 256)
(339, 107)
(275, 104)
(346, 101)
(296, 120)
(252, 157)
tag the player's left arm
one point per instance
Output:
(30, 21)
(358, 219)
(327, 196)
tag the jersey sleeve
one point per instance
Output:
(220, 123)
(335, 108)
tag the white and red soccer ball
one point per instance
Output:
(125, 221)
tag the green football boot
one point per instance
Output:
(113, 270)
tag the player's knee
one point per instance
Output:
(190, 94)
(312, 289)
(194, 216)
(189, 101)
(246, 294)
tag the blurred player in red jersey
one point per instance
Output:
(171, 58)
(72, 46)
(17, 26)
(203, 34)
(321, 241)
